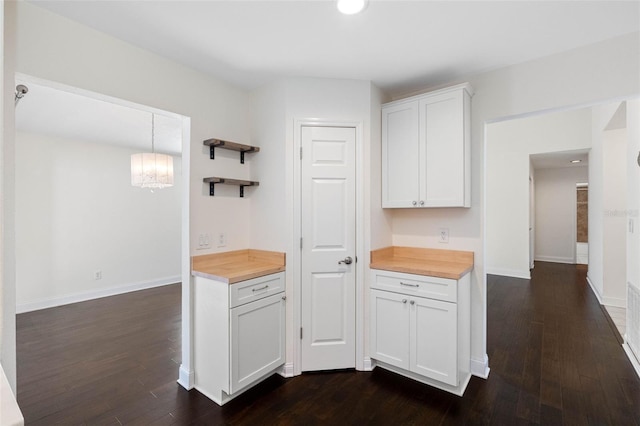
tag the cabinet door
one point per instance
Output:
(390, 328)
(442, 155)
(257, 340)
(433, 341)
(400, 155)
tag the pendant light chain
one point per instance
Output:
(153, 136)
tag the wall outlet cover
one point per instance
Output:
(444, 235)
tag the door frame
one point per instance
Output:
(297, 234)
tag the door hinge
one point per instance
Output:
(301, 153)
(300, 242)
(300, 333)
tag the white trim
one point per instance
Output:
(186, 378)
(508, 273)
(632, 357)
(368, 364)
(555, 259)
(10, 413)
(286, 370)
(614, 301)
(90, 295)
(297, 234)
(480, 367)
(593, 289)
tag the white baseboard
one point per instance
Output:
(634, 361)
(368, 364)
(186, 378)
(555, 259)
(593, 289)
(287, 370)
(480, 367)
(90, 295)
(509, 273)
(614, 301)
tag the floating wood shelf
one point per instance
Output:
(212, 181)
(232, 146)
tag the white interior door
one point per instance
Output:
(328, 243)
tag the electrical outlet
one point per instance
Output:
(222, 239)
(97, 275)
(444, 235)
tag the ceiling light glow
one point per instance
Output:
(351, 7)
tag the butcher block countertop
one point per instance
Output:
(239, 265)
(422, 261)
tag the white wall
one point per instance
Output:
(615, 218)
(7, 198)
(555, 207)
(601, 117)
(510, 143)
(633, 192)
(633, 208)
(76, 213)
(60, 50)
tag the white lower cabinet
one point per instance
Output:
(421, 337)
(239, 334)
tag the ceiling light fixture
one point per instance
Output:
(151, 170)
(576, 161)
(351, 7)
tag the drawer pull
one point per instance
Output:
(261, 288)
(409, 285)
(404, 300)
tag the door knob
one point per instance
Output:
(347, 261)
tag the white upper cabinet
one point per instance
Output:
(426, 150)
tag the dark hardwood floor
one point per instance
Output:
(554, 359)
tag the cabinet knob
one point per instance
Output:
(404, 300)
(284, 297)
(413, 302)
(415, 203)
(422, 202)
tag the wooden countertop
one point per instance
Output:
(239, 265)
(422, 261)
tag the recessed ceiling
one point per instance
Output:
(67, 115)
(401, 46)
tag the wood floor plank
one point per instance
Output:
(553, 354)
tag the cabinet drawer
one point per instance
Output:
(255, 289)
(417, 285)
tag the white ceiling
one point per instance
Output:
(554, 160)
(402, 46)
(67, 115)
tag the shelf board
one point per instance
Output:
(232, 146)
(212, 181)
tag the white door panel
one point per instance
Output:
(328, 232)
